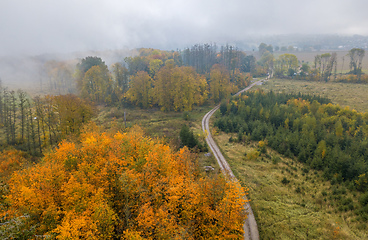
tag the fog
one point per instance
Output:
(44, 26)
(33, 32)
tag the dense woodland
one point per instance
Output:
(150, 80)
(317, 133)
(121, 185)
(65, 178)
(34, 124)
(62, 177)
(154, 78)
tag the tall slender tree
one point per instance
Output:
(22, 100)
(13, 115)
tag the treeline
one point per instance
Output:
(170, 80)
(32, 124)
(58, 77)
(120, 186)
(324, 136)
(323, 68)
(203, 57)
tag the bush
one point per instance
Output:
(262, 146)
(285, 181)
(186, 116)
(276, 159)
(223, 108)
(187, 138)
(364, 199)
(362, 183)
(252, 155)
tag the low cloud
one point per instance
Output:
(43, 26)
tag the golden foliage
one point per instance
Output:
(11, 160)
(140, 91)
(125, 186)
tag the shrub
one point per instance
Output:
(276, 159)
(285, 181)
(186, 116)
(364, 199)
(262, 146)
(253, 154)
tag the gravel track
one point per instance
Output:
(250, 224)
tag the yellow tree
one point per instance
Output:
(192, 88)
(241, 79)
(140, 92)
(285, 63)
(120, 76)
(97, 85)
(220, 85)
(165, 88)
(179, 88)
(154, 66)
(125, 184)
(73, 112)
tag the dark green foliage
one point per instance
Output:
(324, 136)
(89, 62)
(136, 64)
(223, 108)
(203, 57)
(276, 159)
(187, 138)
(291, 72)
(249, 64)
(285, 181)
(364, 199)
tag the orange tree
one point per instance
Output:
(125, 186)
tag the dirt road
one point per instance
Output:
(250, 225)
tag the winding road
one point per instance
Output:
(250, 224)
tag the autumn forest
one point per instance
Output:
(65, 176)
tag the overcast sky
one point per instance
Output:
(54, 26)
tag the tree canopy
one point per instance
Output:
(122, 185)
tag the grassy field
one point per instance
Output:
(353, 95)
(290, 201)
(158, 124)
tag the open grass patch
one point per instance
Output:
(290, 201)
(158, 124)
(345, 94)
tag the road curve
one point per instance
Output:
(250, 224)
